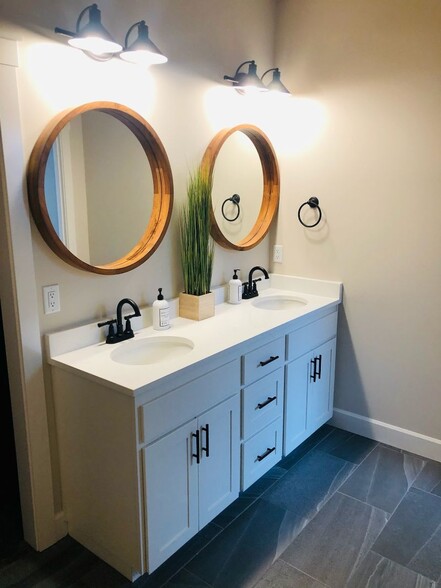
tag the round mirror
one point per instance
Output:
(246, 186)
(100, 188)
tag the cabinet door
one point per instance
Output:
(321, 387)
(309, 394)
(171, 479)
(296, 395)
(219, 462)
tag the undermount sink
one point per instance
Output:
(151, 350)
(278, 302)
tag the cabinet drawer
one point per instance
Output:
(261, 452)
(263, 360)
(306, 338)
(184, 403)
(262, 402)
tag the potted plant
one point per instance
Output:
(197, 249)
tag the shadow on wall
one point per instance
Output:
(349, 389)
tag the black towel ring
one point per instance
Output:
(235, 199)
(313, 202)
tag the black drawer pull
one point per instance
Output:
(267, 452)
(198, 446)
(267, 401)
(207, 440)
(272, 358)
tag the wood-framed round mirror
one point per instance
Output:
(100, 187)
(250, 170)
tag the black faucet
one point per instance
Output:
(121, 333)
(250, 287)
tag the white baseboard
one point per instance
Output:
(385, 433)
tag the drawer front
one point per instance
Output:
(262, 403)
(186, 402)
(263, 360)
(307, 338)
(261, 452)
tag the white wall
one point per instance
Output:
(371, 69)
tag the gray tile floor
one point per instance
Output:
(339, 511)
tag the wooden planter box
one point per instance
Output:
(196, 308)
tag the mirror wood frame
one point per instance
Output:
(162, 187)
(271, 184)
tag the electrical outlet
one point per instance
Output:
(278, 254)
(51, 299)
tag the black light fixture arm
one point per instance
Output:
(94, 13)
(313, 202)
(234, 78)
(235, 199)
(140, 23)
(275, 69)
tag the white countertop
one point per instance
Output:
(232, 325)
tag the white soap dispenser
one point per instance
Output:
(161, 313)
(235, 289)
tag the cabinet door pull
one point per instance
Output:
(267, 452)
(267, 361)
(313, 370)
(207, 440)
(267, 401)
(319, 371)
(198, 446)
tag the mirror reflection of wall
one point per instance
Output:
(98, 188)
(237, 170)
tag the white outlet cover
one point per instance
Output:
(51, 299)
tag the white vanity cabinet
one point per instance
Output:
(151, 452)
(140, 477)
(309, 380)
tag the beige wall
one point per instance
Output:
(185, 102)
(372, 70)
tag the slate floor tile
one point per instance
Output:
(383, 478)
(233, 511)
(309, 484)
(347, 446)
(283, 575)
(185, 579)
(379, 572)
(296, 455)
(262, 484)
(430, 478)
(412, 536)
(244, 551)
(336, 540)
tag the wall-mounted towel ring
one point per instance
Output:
(313, 202)
(235, 199)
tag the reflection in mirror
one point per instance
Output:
(245, 179)
(241, 161)
(100, 187)
(99, 208)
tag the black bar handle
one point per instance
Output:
(312, 370)
(319, 371)
(206, 430)
(272, 358)
(267, 401)
(267, 452)
(198, 447)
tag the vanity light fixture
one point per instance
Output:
(92, 37)
(142, 51)
(248, 82)
(276, 84)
